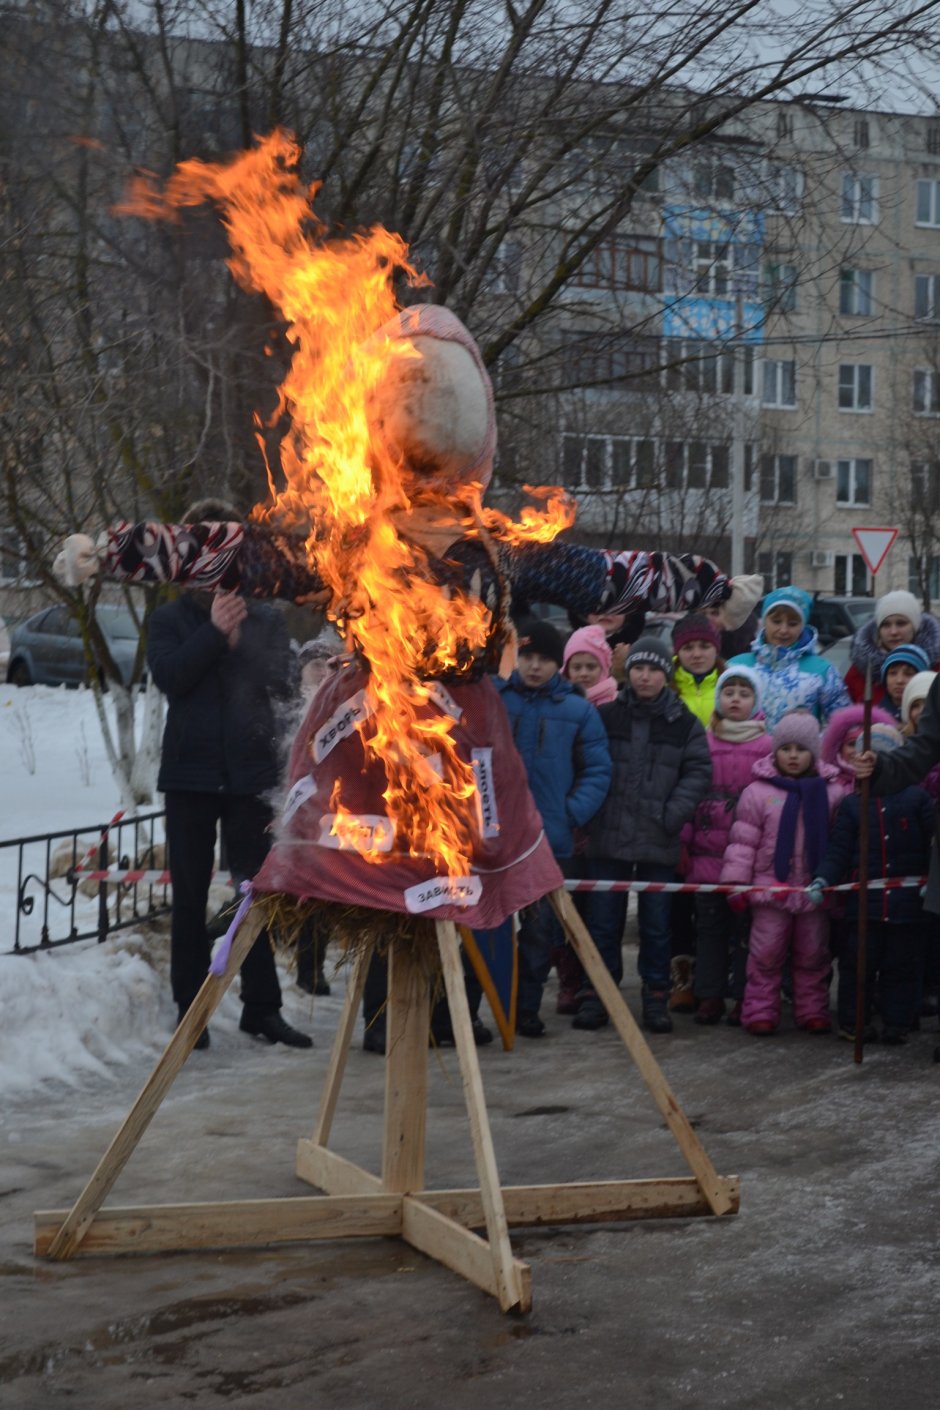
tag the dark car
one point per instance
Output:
(46, 649)
(835, 617)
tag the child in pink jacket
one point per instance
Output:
(779, 836)
(737, 738)
(839, 742)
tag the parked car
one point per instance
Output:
(839, 654)
(835, 617)
(47, 649)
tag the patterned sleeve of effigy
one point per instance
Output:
(243, 558)
(592, 581)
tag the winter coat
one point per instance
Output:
(750, 855)
(697, 696)
(706, 836)
(794, 678)
(910, 764)
(224, 706)
(866, 648)
(899, 833)
(661, 772)
(564, 749)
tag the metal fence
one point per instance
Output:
(55, 906)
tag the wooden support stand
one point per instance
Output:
(440, 1223)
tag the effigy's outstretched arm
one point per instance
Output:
(246, 558)
(594, 582)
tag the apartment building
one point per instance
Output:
(768, 370)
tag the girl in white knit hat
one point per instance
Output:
(898, 620)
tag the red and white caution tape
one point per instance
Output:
(143, 877)
(893, 883)
(139, 876)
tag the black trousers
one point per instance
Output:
(192, 820)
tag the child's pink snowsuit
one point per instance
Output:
(789, 925)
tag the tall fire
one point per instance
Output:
(348, 484)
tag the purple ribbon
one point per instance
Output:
(223, 948)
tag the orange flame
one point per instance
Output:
(343, 487)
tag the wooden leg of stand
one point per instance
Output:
(178, 1049)
(712, 1187)
(407, 1027)
(512, 1282)
(347, 1022)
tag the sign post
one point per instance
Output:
(873, 545)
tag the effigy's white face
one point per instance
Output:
(430, 412)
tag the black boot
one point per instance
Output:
(656, 1011)
(273, 1027)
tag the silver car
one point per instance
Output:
(46, 649)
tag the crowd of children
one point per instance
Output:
(743, 773)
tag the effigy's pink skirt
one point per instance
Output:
(511, 864)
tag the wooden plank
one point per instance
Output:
(693, 1151)
(337, 1067)
(178, 1049)
(509, 1289)
(584, 1203)
(407, 1026)
(333, 1173)
(463, 1252)
(233, 1224)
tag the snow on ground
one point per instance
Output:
(77, 1012)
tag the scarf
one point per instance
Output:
(738, 731)
(602, 691)
(811, 795)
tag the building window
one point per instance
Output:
(697, 465)
(625, 262)
(855, 380)
(705, 368)
(784, 124)
(850, 578)
(619, 361)
(856, 291)
(712, 266)
(779, 287)
(778, 479)
(853, 482)
(926, 402)
(925, 486)
(927, 297)
(783, 188)
(859, 199)
(713, 179)
(776, 569)
(12, 557)
(860, 132)
(928, 203)
(923, 577)
(504, 275)
(608, 463)
(933, 139)
(779, 383)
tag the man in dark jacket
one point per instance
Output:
(661, 772)
(222, 664)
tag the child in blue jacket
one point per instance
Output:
(567, 762)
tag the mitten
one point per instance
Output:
(816, 890)
(78, 560)
(746, 592)
(738, 903)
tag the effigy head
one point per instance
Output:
(433, 413)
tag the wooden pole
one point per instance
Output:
(710, 1183)
(861, 959)
(82, 1213)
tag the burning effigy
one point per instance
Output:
(406, 794)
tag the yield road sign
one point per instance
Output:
(873, 545)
